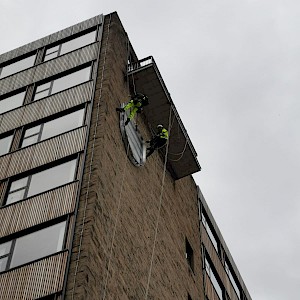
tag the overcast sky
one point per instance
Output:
(232, 68)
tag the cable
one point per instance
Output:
(159, 209)
(91, 162)
(119, 201)
(115, 226)
(181, 153)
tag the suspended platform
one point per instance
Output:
(145, 78)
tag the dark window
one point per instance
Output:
(17, 66)
(32, 246)
(189, 253)
(231, 276)
(71, 45)
(62, 83)
(42, 181)
(11, 102)
(52, 128)
(211, 273)
(49, 297)
(209, 230)
(5, 144)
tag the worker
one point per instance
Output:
(159, 140)
(136, 104)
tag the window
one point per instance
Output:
(213, 279)
(232, 279)
(17, 66)
(4, 254)
(189, 254)
(71, 45)
(209, 231)
(52, 128)
(62, 83)
(5, 144)
(11, 102)
(41, 181)
(32, 246)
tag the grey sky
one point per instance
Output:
(232, 68)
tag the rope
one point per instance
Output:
(181, 153)
(115, 226)
(159, 209)
(91, 162)
(120, 195)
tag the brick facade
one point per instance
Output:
(132, 204)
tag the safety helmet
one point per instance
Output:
(160, 126)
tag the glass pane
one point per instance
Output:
(18, 66)
(50, 56)
(41, 95)
(17, 184)
(228, 271)
(78, 42)
(51, 178)
(209, 232)
(11, 102)
(32, 130)
(213, 279)
(5, 144)
(71, 80)
(216, 285)
(62, 124)
(5, 248)
(44, 86)
(38, 244)
(3, 262)
(30, 140)
(52, 49)
(15, 196)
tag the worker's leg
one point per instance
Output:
(131, 115)
(133, 112)
(151, 150)
(160, 143)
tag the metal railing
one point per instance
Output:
(141, 63)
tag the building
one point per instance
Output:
(83, 216)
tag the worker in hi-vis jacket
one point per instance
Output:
(136, 104)
(159, 140)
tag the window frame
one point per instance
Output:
(210, 231)
(32, 172)
(68, 39)
(232, 277)
(212, 270)
(6, 135)
(17, 59)
(59, 76)
(13, 239)
(41, 123)
(11, 94)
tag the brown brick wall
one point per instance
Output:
(137, 203)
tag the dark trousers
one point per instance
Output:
(156, 143)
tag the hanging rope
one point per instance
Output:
(159, 209)
(91, 162)
(181, 153)
(120, 196)
(115, 226)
